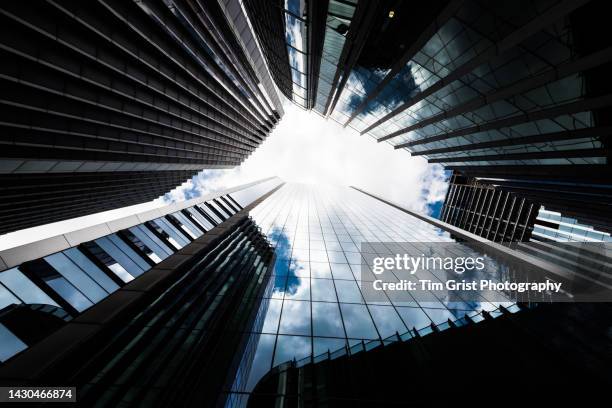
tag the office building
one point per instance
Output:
(466, 364)
(144, 308)
(512, 93)
(556, 227)
(510, 219)
(113, 103)
(489, 212)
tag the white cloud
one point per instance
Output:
(303, 148)
(309, 149)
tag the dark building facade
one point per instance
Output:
(489, 212)
(112, 103)
(204, 264)
(536, 348)
(512, 220)
(512, 93)
(194, 303)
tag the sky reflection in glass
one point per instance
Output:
(314, 302)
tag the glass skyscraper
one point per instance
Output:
(113, 103)
(142, 309)
(314, 302)
(513, 93)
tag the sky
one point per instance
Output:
(305, 148)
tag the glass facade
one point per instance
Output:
(423, 106)
(314, 303)
(553, 226)
(77, 278)
(172, 86)
(512, 92)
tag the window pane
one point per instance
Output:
(357, 322)
(288, 347)
(203, 221)
(11, 344)
(221, 216)
(297, 288)
(122, 259)
(76, 277)
(270, 324)
(17, 282)
(142, 247)
(91, 269)
(326, 320)
(348, 291)
(323, 290)
(176, 238)
(323, 345)
(224, 207)
(387, 321)
(187, 226)
(133, 255)
(109, 261)
(151, 241)
(69, 293)
(295, 318)
(414, 317)
(7, 298)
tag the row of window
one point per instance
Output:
(77, 278)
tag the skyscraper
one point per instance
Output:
(145, 308)
(489, 212)
(512, 93)
(112, 103)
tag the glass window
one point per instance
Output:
(151, 241)
(214, 209)
(270, 324)
(209, 215)
(60, 285)
(108, 260)
(297, 288)
(290, 347)
(91, 269)
(203, 221)
(142, 247)
(387, 321)
(295, 318)
(187, 225)
(413, 317)
(357, 322)
(231, 206)
(127, 250)
(68, 292)
(23, 287)
(323, 345)
(128, 264)
(323, 290)
(341, 271)
(326, 320)
(7, 298)
(172, 234)
(68, 269)
(262, 361)
(220, 205)
(348, 291)
(320, 270)
(439, 316)
(11, 344)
